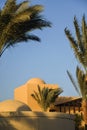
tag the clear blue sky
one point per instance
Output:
(49, 59)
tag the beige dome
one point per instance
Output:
(13, 105)
(36, 81)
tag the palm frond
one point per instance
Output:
(73, 82)
(17, 21)
(73, 42)
(79, 36)
(81, 80)
(77, 30)
(40, 93)
(36, 97)
(27, 13)
(24, 38)
(9, 7)
(84, 39)
(84, 30)
(22, 7)
(45, 92)
(46, 96)
(53, 94)
(80, 45)
(71, 38)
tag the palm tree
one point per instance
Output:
(81, 88)
(17, 21)
(79, 46)
(46, 96)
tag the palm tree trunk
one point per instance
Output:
(85, 127)
(84, 107)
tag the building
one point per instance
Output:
(23, 93)
(62, 104)
(13, 105)
(23, 112)
(69, 105)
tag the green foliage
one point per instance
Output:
(17, 21)
(82, 81)
(78, 120)
(74, 83)
(81, 87)
(46, 96)
(79, 44)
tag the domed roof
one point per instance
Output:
(13, 105)
(36, 81)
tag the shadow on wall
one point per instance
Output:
(23, 108)
(12, 121)
(36, 120)
(5, 124)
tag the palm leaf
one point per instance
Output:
(53, 94)
(79, 37)
(80, 44)
(36, 97)
(17, 21)
(46, 96)
(9, 7)
(84, 39)
(40, 93)
(81, 77)
(78, 33)
(73, 82)
(22, 7)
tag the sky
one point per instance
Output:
(49, 59)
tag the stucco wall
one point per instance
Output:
(23, 94)
(36, 121)
(20, 94)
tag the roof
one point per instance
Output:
(61, 100)
(36, 81)
(13, 105)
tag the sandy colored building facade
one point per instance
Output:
(23, 93)
(24, 113)
(62, 104)
(15, 115)
(25, 120)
